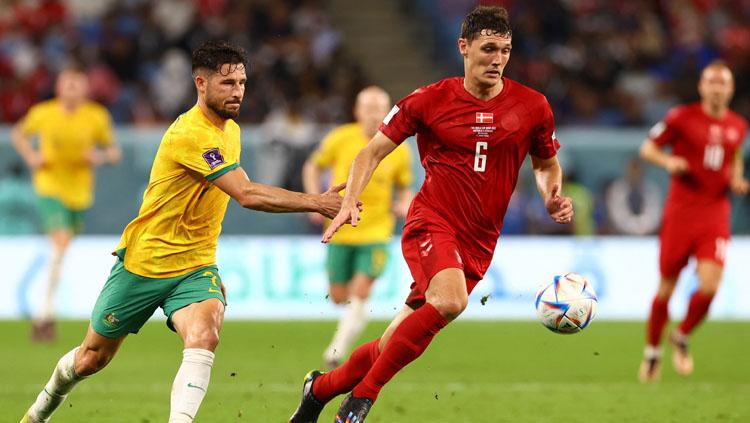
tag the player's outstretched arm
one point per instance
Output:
(252, 195)
(739, 184)
(362, 168)
(311, 175)
(548, 175)
(22, 144)
(652, 153)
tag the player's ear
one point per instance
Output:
(201, 81)
(463, 46)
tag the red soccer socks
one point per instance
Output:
(344, 378)
(697, 310)
(657, 320)
(408, 342)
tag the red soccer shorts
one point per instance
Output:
(680, 241)
(428, 252)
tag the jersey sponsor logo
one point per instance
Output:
(390, 115)
(657, 130)
(483, 117)
(213, 158)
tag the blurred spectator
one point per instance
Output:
(611, 62)
(584, 223)
(135, 51)
(290, 137)
(17, 202)
(633, 203)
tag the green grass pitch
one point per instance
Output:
(473, 372)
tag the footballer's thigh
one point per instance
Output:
(199, 324)
(96, 352)
(195, 308)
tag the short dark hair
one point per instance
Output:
(212, 54)
(492, 18)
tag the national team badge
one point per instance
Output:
(483, 117)
(213, 158)
(110, 320)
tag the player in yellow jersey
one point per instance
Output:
(74, 136)
(166, 256)
(357, 256)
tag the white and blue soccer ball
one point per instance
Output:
(567, 304)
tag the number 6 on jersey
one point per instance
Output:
(480, 160)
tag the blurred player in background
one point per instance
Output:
(166, 256)
(357, 256)
(473, 134)
(75, 136)
(705, 164)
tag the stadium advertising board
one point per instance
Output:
(284, 277)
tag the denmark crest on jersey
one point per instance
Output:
(484, 117)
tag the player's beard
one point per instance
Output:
(218, 107)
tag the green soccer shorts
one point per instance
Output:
(56, 216)
(344, 261)
(127, 300)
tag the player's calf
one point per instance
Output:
(63, 379)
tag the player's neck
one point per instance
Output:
(716, 112)
(70, 106)
(212, 117)
(483, 92)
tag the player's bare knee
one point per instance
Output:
(450, 308)
(338, 296)
(207, 339)
(90, 361)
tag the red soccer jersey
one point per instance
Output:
(472, 151)
(709, 145)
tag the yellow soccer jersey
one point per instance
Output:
(65, 138)
(337, 152)
(178, 226)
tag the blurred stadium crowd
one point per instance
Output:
(602, 62)
(138, 54)
(611, 63)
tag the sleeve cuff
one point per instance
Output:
(223, 170)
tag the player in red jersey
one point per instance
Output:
(473, 133)
(705, 163)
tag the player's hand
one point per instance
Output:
(349, 213)
(95, 157)
(559, 208)
(739, 186)
(316, 219)
(330, 202)
(676, 165)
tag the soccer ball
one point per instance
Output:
(567, 304)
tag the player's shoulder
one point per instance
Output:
(45, 106)
(683, 111)
(186, 128)
(439, 89)
(95, 109)
(345, 130)
(525, 93)
(737, 119)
